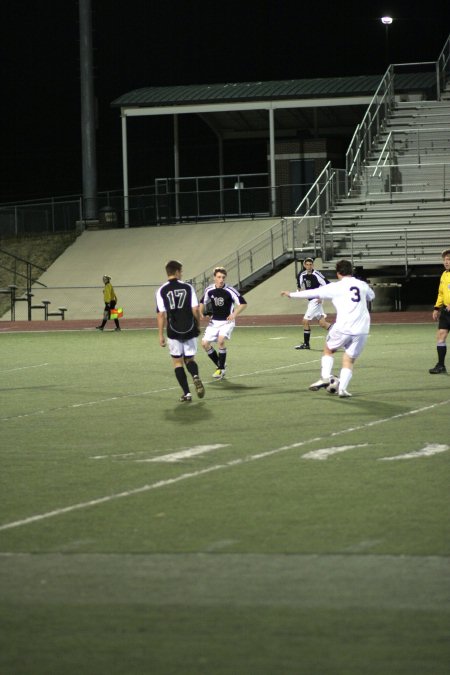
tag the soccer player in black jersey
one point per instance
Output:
(178, 311)
(308, 279)
(226, 304)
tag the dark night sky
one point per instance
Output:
(143, 43)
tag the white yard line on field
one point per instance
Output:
(120, 454)
(217, 467)
(12, 370)
(428, 451)
(74, 406)
(324, 453)
(120, 397)
(185, 454)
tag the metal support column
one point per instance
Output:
(273, 189)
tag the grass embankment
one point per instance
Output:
(40, 250)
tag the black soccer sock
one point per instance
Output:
(213, 356)
(180, 374)
(441, 351)
(306, 336)
(222, 359)
(192, 367)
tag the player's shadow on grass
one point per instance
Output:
(374, 408)
(231, 385)
(189, 413)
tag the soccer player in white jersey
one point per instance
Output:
(351, 328)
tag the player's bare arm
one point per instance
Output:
(161, 322)
(237, 310)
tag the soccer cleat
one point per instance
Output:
(303, 346)
(98, 327)
(117, 329)
(200, 389)
(344, 394)
(219, 374)
(438, 369)
(320, 384)
(186, 398)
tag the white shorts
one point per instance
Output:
(216, 328)
(314, 310)
(352, 344)
(178, 348)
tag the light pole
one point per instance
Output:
(387, 20)
(88, 146)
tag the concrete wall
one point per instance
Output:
(135, 260)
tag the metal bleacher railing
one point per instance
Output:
(188, 199)
(285, 241)
(21, 288)
(291, 237)
(381, 106)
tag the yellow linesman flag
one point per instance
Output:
(116, 313)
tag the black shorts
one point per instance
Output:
(444, 319)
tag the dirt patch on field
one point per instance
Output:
(267, 320)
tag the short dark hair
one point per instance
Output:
(172, 267)
(308, 260)
(445, 253)
(222, 270)
(344, 268)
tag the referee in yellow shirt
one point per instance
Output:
(441, 311)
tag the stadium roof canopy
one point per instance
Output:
(237, 109)
(325, 107)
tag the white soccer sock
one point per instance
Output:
(327, 367)
(344, 378)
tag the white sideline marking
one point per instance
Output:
(87, 403)
(211, 469)
(324, 453)
(184, 454)
(11, 370)
(428, 451)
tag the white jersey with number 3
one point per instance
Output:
(349, 296)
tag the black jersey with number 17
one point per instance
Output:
(177, 298)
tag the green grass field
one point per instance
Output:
(262, 530)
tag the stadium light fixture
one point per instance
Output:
(387, 20)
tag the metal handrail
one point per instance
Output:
(364, 136)
(442, 65)
(433, 179)
(282, 240)
(371, 123)
(388, 155)
(29, 267)
(418, 133)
